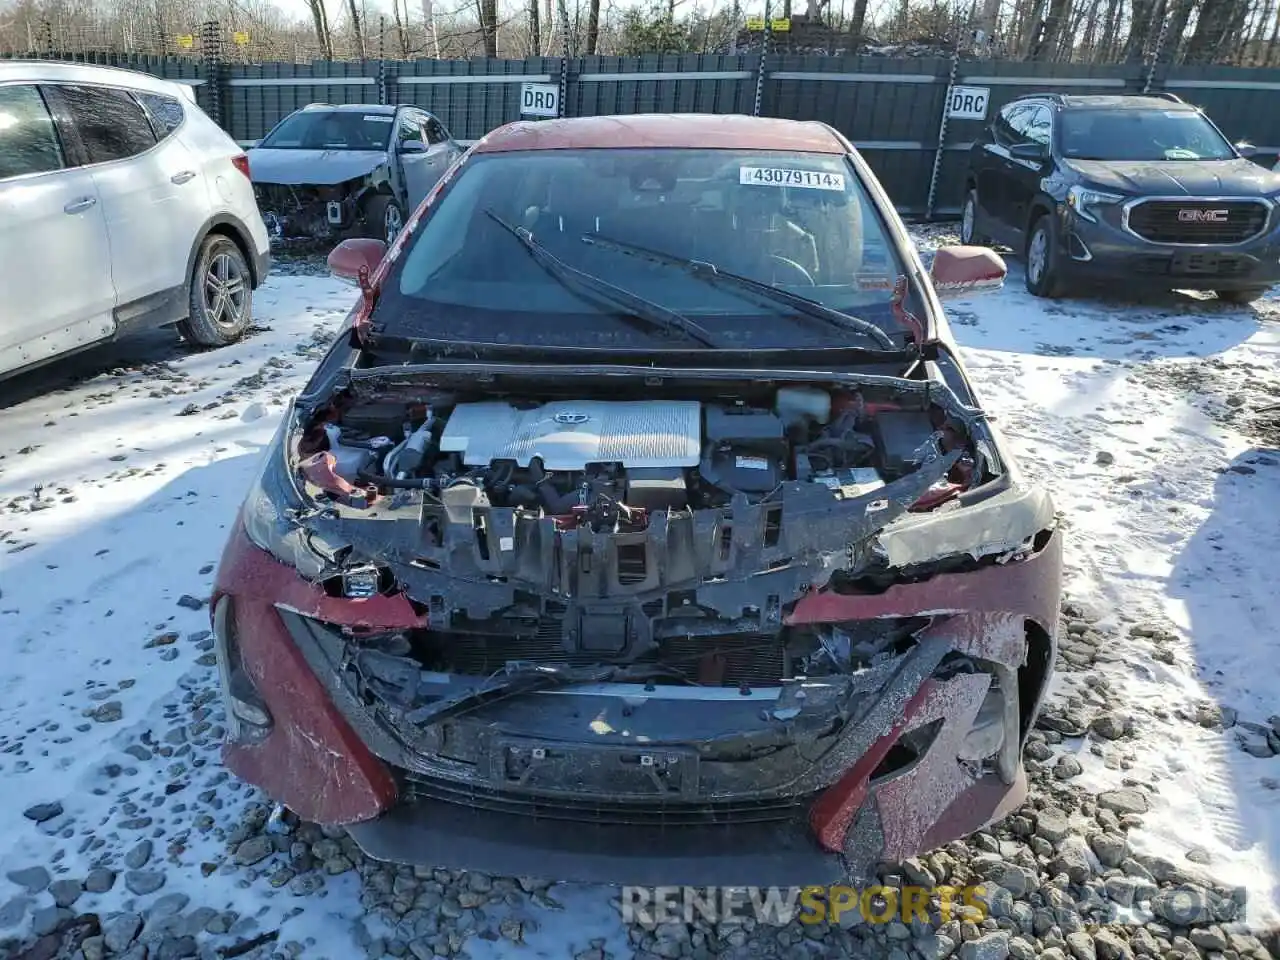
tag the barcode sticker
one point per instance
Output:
(787, 177)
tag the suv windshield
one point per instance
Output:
(331, 130)
(1141, 135)
(800, 223)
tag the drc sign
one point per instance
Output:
(539, 99)
(968, 103)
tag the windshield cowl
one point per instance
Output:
(383, 348)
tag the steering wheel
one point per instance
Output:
(808, 277)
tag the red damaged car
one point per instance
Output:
(642, 527)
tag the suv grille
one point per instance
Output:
(1198, 221)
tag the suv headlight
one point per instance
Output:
(270, 509)
(1085, 201)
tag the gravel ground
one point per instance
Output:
(1059, 876)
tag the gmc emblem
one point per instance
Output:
(1203, 216)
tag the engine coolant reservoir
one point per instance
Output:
(796, 404)
(350, 460)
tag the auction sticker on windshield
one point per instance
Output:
(786, 177)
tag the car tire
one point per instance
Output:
(220, 294)
(383, 218)
(969, 235)
(1242, 296)
(1043, 279)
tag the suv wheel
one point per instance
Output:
(384, 218)
(1042, 259)
(1242, 296)
(221, 294)
(969, 220)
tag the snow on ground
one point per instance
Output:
(1140, 418)
(120, 474)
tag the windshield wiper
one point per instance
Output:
(710, 273)
(517, 679)
(651, 315)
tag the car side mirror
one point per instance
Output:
(1246, 149)
(351, 257)
(963, 271)
(412, 146)
(1028, 151)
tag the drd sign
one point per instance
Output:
(968, 103)
(539, 100)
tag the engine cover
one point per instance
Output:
(569, 435)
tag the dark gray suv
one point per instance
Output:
(1140, 189)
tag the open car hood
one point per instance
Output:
(320, 167)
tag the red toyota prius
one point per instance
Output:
(642, 526)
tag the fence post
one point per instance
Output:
(564, 58)
(1155, 55)
(562, 109)
(211, 55)
(942, 135)
(384, 97)
(764, 57)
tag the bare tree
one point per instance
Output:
(593, 27)
(1046, 43)
(402, 31)
(858, 20)
(1213, 27)
(488, 10)
(321, 19)
(357, 29)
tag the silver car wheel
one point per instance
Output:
(391, 223)
(1037, 254)
(226, 291)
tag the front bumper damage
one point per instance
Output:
(310, 213)
(806, 782)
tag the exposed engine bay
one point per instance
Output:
(611, 464)
(575, 532)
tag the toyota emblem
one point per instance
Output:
(572, 417)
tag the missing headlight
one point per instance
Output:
(247, 715)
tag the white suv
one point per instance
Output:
(122, 205)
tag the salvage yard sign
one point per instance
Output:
(539, 100)
(968, 103)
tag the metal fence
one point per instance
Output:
(892, 109)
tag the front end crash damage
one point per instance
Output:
(313, 213)
(783, 629)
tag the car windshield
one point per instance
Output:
(794, 222)
(1141, 135)
(331, 130)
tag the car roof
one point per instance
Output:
(378, 108)
(662, 130)
(53, 71)
(1121, 102)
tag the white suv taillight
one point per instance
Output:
(241, 163)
